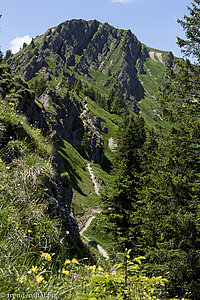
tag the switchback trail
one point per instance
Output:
(93, 178)
(94, 211)
(87, 224)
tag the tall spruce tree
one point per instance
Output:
(170, 235)
(120, 198)
(191, 25)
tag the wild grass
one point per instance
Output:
(76, 279)
(27, 226)
(84, 197)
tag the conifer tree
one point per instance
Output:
(170, 196)
(120, 198)
(191, 25)
(78, 87)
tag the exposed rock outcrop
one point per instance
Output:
(89, 51)
(35, 64)
(97, 46)
(94, 145)
(170, 59)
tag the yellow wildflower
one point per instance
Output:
(75, 261)
(34, 269)
(92, 268)
(65, 272)
(29, 230)
(100, 269)
(46, 256)
(39, 279)
(67, 262)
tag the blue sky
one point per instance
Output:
(154, 22)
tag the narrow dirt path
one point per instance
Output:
(87, 224)
(93, 178)
(84, 112)
(94, 211)
(112, 145)
(96, 189)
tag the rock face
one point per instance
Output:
(58, 192)
(35, 64)
(87, 46)
(61, 197)
(96, 53)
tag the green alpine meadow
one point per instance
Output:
(100, 165)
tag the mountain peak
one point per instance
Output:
(92, 50)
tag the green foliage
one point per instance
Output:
(26, 172)
(126, 281)
(38, 85)
(191, 26)
(8, 54)
(77, 280)
(120, 197)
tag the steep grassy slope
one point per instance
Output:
(27, 226)
(86, 75)
(73, 70)
(30, 171)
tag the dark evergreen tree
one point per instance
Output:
(8, 54)
(118, 104)
(38, 86)
(170, 197)
(191, 25)
(32, 43)
(120, 198)
(1, 54)
(68, 84)
(78, 87)
(110, 99)
(24, 45)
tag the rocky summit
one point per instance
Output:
(90, 48)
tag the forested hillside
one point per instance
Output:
(101, 133)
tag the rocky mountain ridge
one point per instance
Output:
(78, 71)
(89, 47)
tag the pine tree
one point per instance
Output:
(78, 86)
(110, 99)
(120, 198)
(170, 197)
(8, 54)
(191, 25)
